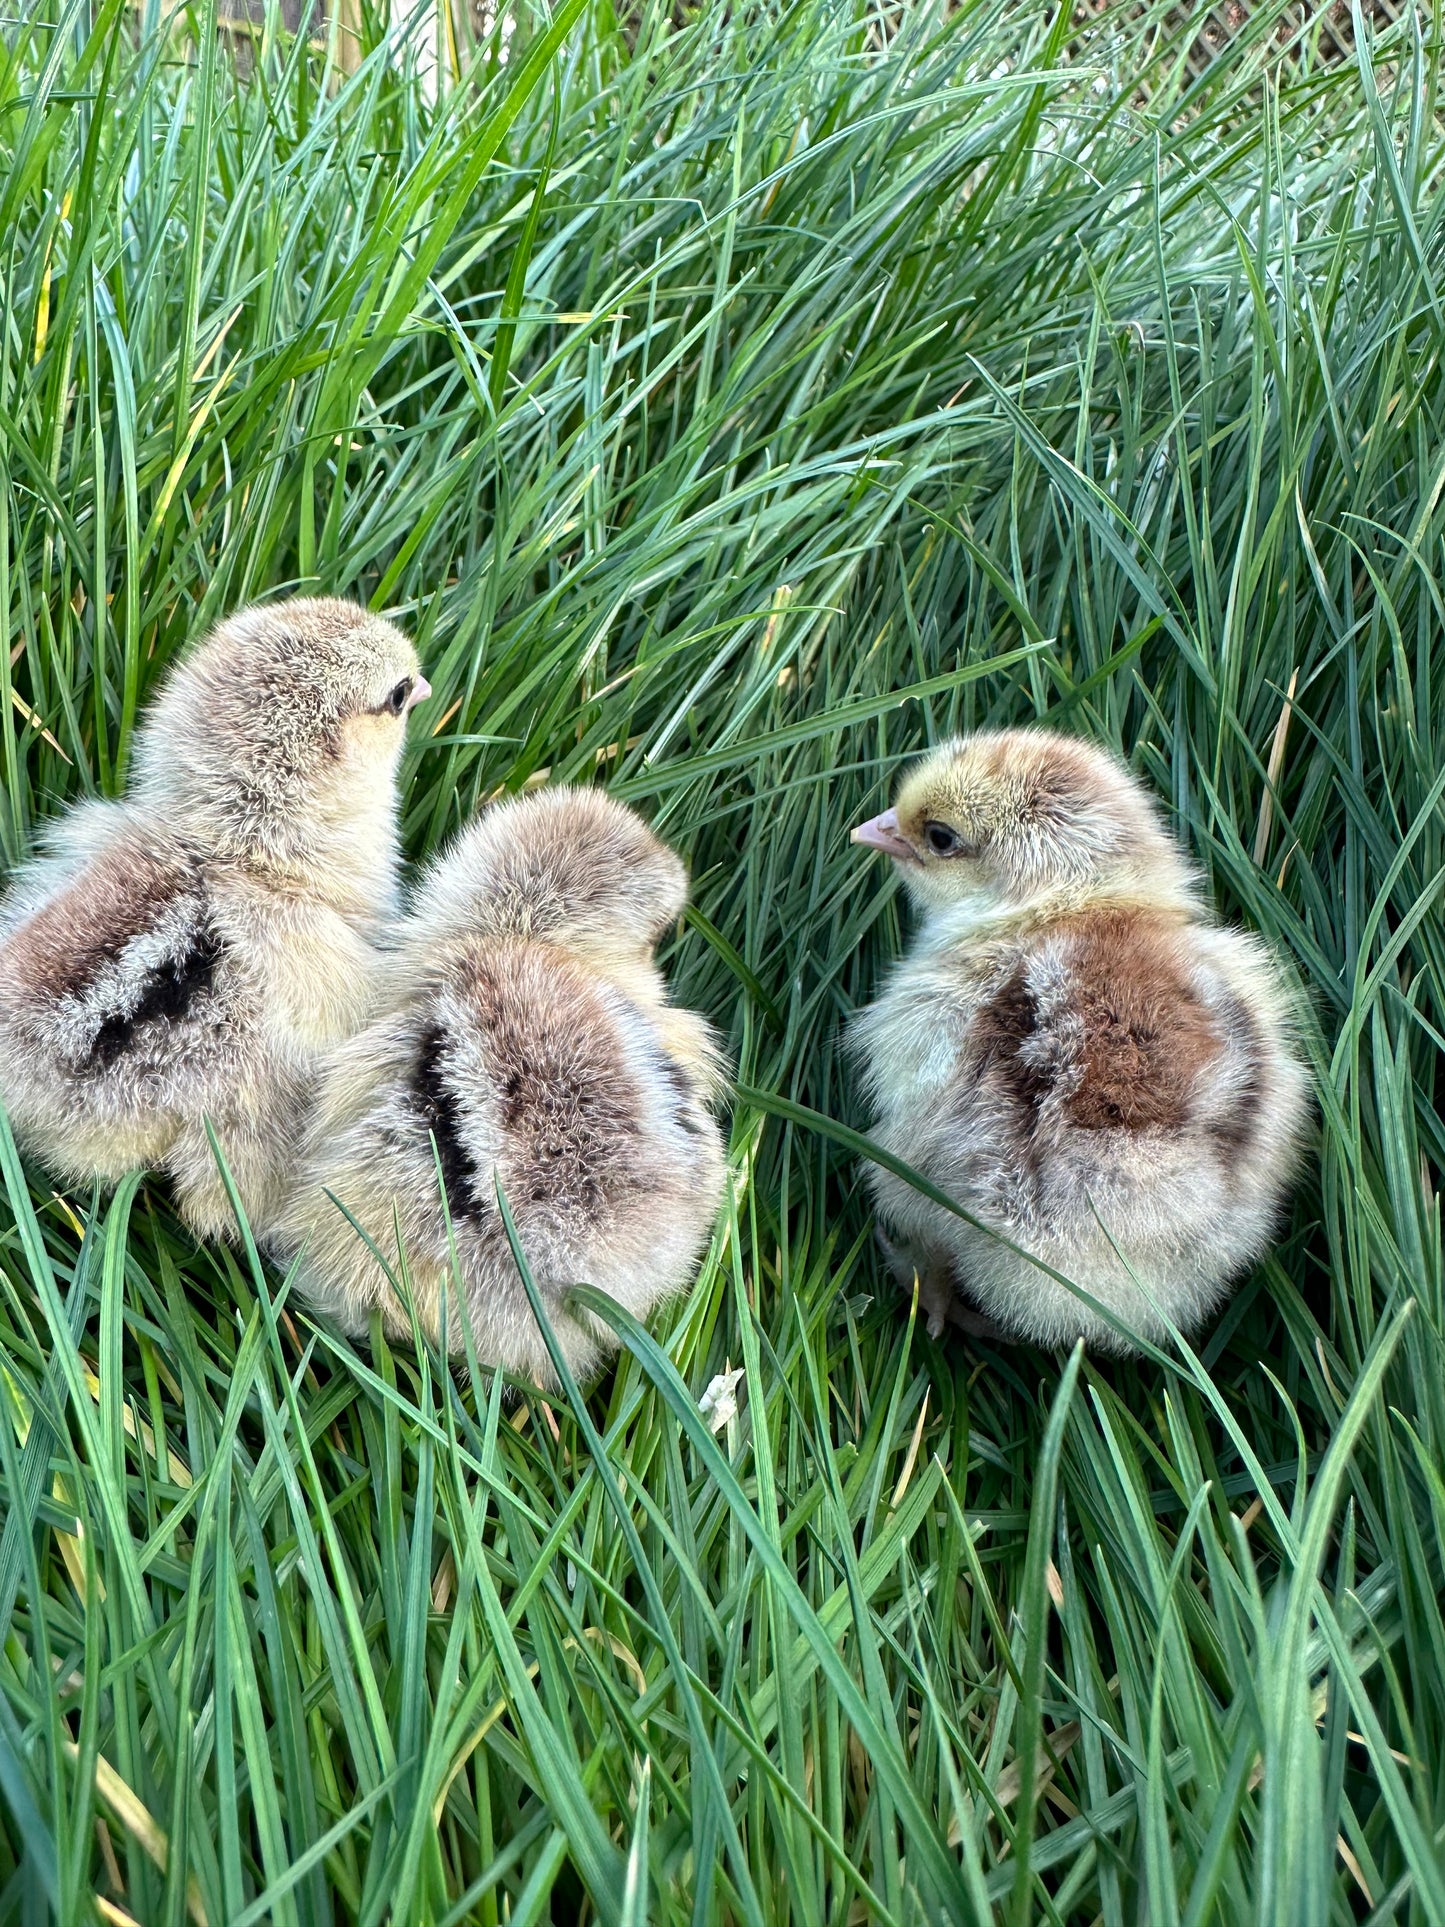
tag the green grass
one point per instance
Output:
(731, 408)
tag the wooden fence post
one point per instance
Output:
(437, 34)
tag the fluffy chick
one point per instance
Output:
(189, 952)
(1073, 1051)
(522, 1027)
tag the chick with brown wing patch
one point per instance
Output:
(190, 952)
(523, 1041)
(1072, 1049)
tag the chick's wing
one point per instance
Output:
(120, 962)
(1100, 1026)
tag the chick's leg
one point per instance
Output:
(939, 1297)
(976, 1324)
(935, 1280)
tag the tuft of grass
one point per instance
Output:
(733, 404)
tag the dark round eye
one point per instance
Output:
(396, 701)
(942, 840)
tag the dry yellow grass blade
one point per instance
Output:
(140, 1824)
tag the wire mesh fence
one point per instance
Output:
(1321, 33)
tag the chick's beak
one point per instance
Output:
(420, 690)
(881, 833)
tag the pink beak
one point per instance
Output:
(420, 690)
(881, 833)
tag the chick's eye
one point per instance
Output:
(396, 701)
(942, 840)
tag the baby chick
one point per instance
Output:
(523, 1029)
(1071, 1050)
(187, 953)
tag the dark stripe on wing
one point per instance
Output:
(168, 996)
(685, 1110)
(1003, 1027)
(437, 1107)
(1235, 1132)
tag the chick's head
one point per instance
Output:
(1006, 816)
(566, 865)
(277, 740)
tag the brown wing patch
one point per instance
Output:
(61, 949)
(568, 1101)
(1120, 1040)
(1145, 1034)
